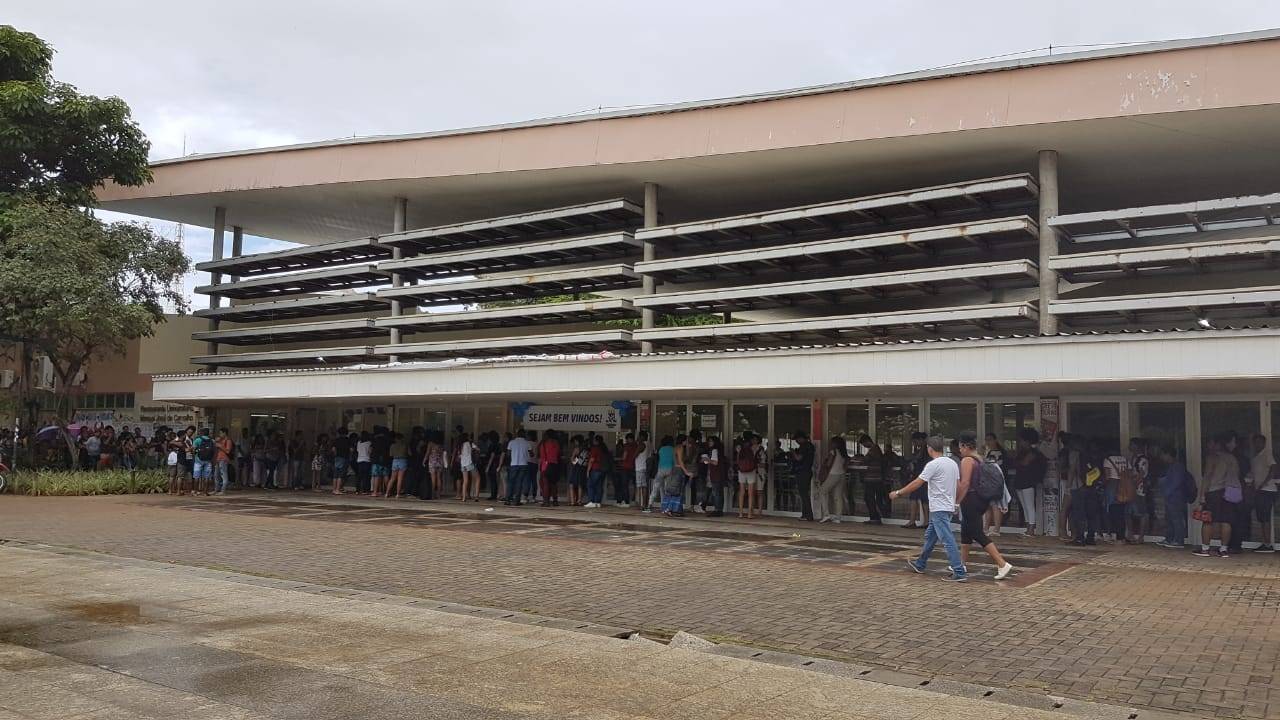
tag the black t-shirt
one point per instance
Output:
(381, 449)
(1030, 471)
(341, 446)
(804, 465)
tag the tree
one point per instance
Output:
(75, 289)
(56, 144)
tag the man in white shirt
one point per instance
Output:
(942, 475)
(1263, 477)
(519, 450)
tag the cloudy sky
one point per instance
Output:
(237, 74)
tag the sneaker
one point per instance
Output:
(826, 519)
(1202, 552)
(994, 532)
(956, 578)
(646, 510)
(698, 509)
(1171, 546)
(1264, 549)
(835, 520)
(1002, 573)
(912, 564)
(624, 504)
(1224, 553)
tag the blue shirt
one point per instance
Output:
(666, 457)
(1172, 481)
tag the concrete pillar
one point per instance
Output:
(399, 223)
(237, 246)
(1048, 239)
(219, 238)
(650, 253)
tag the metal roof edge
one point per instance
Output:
(895, 79)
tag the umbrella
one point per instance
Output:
(52, 431)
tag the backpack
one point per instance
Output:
(1190, 490)
(204, 448)
(1127, 486)
(989, 485)
(746, 459)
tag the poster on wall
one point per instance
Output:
(600, 418)
(1051, 498)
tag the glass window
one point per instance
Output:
(751, 417)
(130, 399)
(849, 422)
(492, 418)
(787, 421)
(1161, 424)
(710, 420)
(894, 425)
(951, 419)
(1097, 423)
(1004, 420)
(669, 420)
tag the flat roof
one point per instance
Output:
(297, 283)
(520, 256)
(580, 280)
(820, 255)
(929, 321)
(959, 69)
(325, 330)
(338, 252)
(595, 310)
(836, 290)
(590, 341)
(855, 216)
(314, 306)
(587, 219)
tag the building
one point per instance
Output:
(1082, 241)
(117, 390)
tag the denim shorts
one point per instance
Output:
(399, 464)
(202, 470)
(339, 467)
(379, 470)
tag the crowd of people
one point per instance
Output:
(1107, 495)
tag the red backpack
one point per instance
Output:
(746, 458)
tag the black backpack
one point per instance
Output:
(205, 448)
(989, 483)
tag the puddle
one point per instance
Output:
(118, 613)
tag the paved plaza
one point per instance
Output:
(1141, 628)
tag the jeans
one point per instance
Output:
(516, 481)
(940, 529)
(595, 486)
(622, 485)
(223, 475)
(1175, 513)
(202, 470)
(530, 480)
(714, 500)
(874, 494)
(269, 468)
(804, 486)
(1086, 513)
(830, 497)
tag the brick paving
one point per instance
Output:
(1142, 627)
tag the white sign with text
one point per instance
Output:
(601, 418)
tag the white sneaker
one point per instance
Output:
(1002, 573)
(835, 520)
(825, 519)
(698, 509)
(624, 504)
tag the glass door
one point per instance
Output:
(788, 421)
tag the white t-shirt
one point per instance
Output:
(364, 449)
(465, 454)
(519, 449)
(942, 475)
(1260, 471)
(642, 458)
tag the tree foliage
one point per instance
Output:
(55, 143)
(75, 288)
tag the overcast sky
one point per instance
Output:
(234, 74)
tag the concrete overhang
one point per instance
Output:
(1182, 120)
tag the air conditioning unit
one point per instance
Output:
(42, 376)
(7, 378)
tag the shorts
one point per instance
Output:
(469, 467)
(202, 470)
(399, 464)
(642, 477)
(1138, 508)
(972, 519)
(339, 467)
(378, 470)
(1216, 503)
(1263, 504)
(749, 478)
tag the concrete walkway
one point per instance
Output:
(87, 636)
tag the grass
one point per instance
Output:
(78, 482)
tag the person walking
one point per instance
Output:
(829, 497)
(973, 505)
(802, 457)
(941, 476)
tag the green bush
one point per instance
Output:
(79, 482)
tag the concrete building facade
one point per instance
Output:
(1082, 242)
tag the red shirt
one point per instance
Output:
(549, 452)
(629, 452)
(597, 458)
